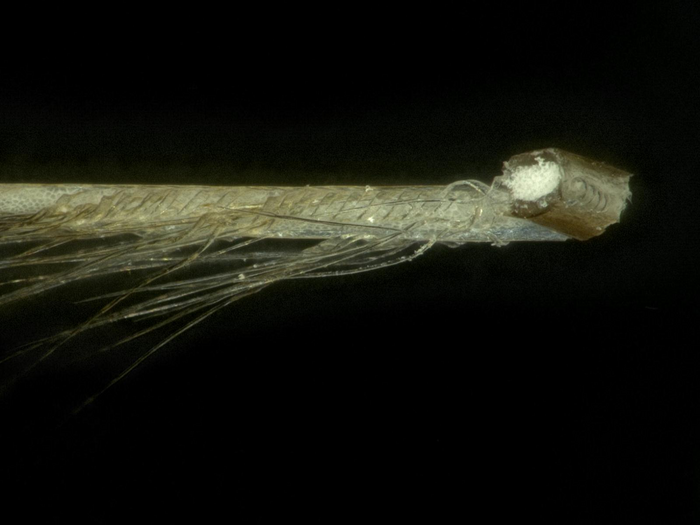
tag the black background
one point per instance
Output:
(556, 381)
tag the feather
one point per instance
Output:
(180, 253)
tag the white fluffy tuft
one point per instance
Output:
(530, 183)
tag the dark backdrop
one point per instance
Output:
(556, 381)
